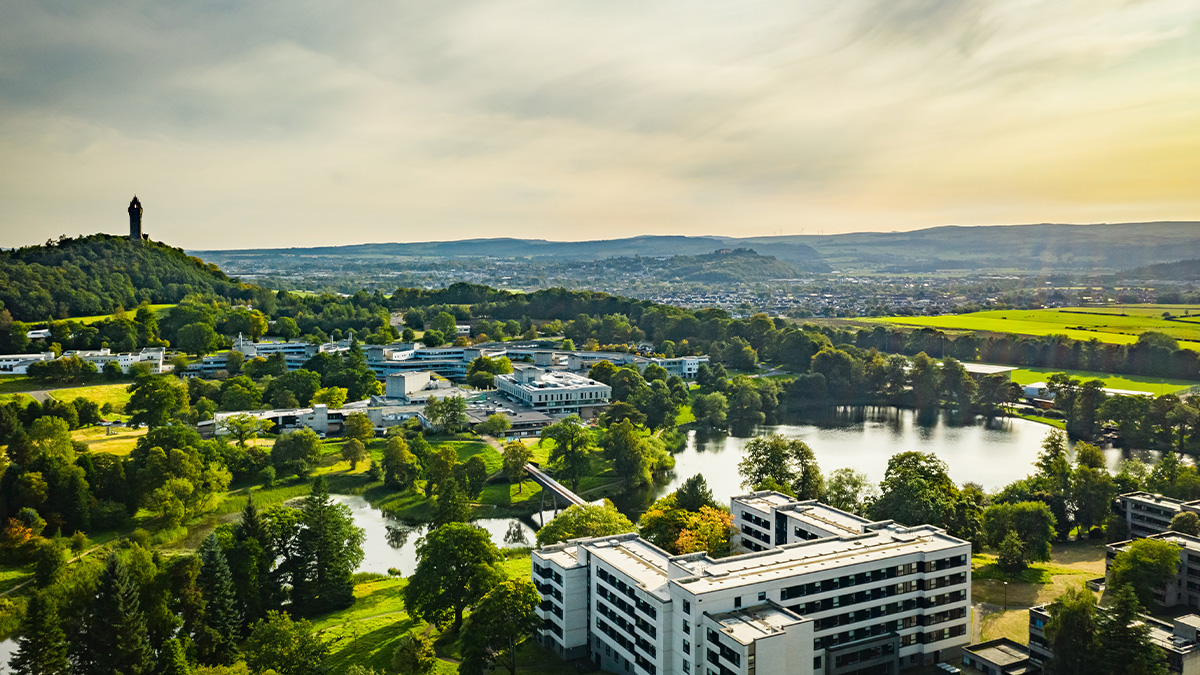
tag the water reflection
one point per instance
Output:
(992, 453)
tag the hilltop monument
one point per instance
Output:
(135, 220)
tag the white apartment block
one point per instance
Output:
(18, 364)
(847, 596)
(551, 391)
(1148, 514)
(100, 357)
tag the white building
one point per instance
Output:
(18, 364)
(101, 357)
(846, 596)
(551, 391)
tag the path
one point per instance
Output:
(28, 581)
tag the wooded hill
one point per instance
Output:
(97, 274)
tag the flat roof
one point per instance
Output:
(817, 555)
(643, 562)
(1001, 652)
(986, 368)
(765, 500)
(753, 623)
(1152, 498)
(828, 517)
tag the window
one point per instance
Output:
(686, 626)
(687, 666)
(687, 607)
(687, 648)
(762, 595)
(737, 602)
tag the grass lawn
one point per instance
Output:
(16, 397)
(1071, 564)
(1106, 324)
(1150, 385)
(1013, 624)
(115, 394)
(15, 383)
(157, 309)
(120, 442)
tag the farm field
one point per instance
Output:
(1150, 385)
(1118, 325)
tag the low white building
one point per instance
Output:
(101, 357)
(846, 596)
(552, 391)
(18, 364)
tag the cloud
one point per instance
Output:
(293, 123)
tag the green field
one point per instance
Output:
(158, 309)
(1150, 385)
(116, 394)
(1118, 325)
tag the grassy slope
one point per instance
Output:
(1077, 323)
(1149, 385)
(116, 394)
(157, 309)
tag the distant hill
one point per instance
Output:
(98, 273)
(1184, 270)
(723, 266)
(1044, 248)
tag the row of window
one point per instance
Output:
(751, 518)
(751, 532)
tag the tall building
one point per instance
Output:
(135, 220)
(842, 596)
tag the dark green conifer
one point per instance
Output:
(114, 638)
(216, 642)
(172, 660)
(42, 646)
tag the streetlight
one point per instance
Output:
(1006, 596)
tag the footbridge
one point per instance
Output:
(557, 491)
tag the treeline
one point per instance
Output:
(99, 273)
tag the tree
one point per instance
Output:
(216, 639)
(516, 456)
(1145, 565)
(156, 400)
(172, 660)
(456, 566)
(42, 645)
(709, 529)
(572, 441)
(1186, 522)
(197, 338)
(354, 451)
(504, 619)
(588, 520)
(414, 655)
(1071, 632)
(1032, 522)
(448, 414)
(476, 474)
(694, 493)
(400, 466)
(1011, 553)
(296, 452)
(49, 561)
(433, 338)
(113, 637)
(439, 466)
(627, 451)
(334, 397)
(452, 503)
(244, 427)
(1123, 644)
(788, 461)
(329, 547)
(495, 425)
(851, 491)
(359, 426)
(285, 646)
(711, 410)
(916, 489)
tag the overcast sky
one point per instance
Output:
(282, 123)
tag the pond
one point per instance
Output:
(392, 543)
(992, 454)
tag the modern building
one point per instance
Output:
(1184, 587)
(1001, 656)
(1177, 638)
(1148, 514)
(523, 423)
(551, 391)
(18, 364)
(153, 356)
(865, 600)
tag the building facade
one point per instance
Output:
(866, 602)
(1148, 514)
(1177, 638)
(1184, 588)
(550, 391)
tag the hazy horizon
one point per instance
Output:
(275, 125)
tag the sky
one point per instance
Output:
(292, 123)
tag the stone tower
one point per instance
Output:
(135, 220)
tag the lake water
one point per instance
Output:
(992, 454)
(392, 543)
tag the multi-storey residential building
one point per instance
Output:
(1147, 513)
(1177, 638)
(1184, 587)
(852, 596)
(551, 391)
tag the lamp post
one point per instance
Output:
(1006, 596)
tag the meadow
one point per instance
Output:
(1149, 385)
(157, 309)
(1115, 324)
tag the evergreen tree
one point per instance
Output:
(114, 639)
(1123, 639)
(452, 504)
(172, 660)
(42, 647)
(216, 642)
(329, 549)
